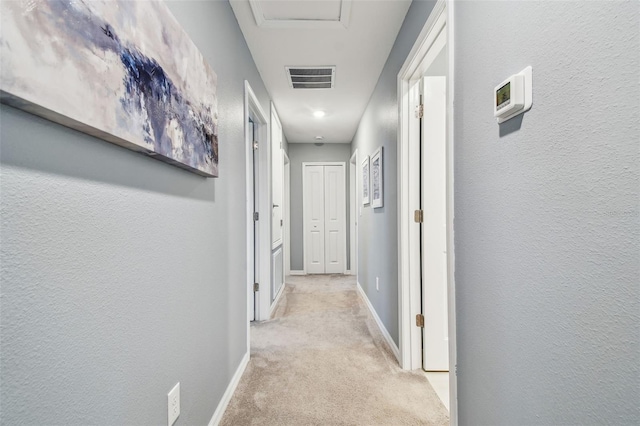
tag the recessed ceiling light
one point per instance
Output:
(319, 114)
(319, 138)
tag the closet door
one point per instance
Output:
(334, 219)
(314, 216)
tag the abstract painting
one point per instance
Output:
(365, 182)
(121, 70)
(376, 178)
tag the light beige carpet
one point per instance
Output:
(323, 361)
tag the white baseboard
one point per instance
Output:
(275, 302)
(383, 329)
(293, 272)
(226, 398)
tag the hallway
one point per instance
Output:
(152, 204)
(322, 360)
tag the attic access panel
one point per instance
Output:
(311, 77)
(316, 14)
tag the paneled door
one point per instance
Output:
(324, 212)
(335, 213)
(313, 212)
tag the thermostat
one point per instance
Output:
(513, 96)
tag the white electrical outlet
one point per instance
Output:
(173, 400)
(377, 284)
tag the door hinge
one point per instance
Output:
(256, 287)
(280, 222)
(420, 111)
(255, 145)
(256, 216)
(420, 320)
(418, 216)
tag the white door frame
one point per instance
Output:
(253, 108)
(353, 212)
(287, 214)
(276, 156)
(304, 222)
(440, 19)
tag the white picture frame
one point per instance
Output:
(377, 179)
(366, 188)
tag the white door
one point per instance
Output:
(324, 214)
(287, 215)
(277, 175)
(353, 213)
(256, 252)
(314, 218)
(434, 235)
(334, 219)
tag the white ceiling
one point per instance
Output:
(354, 36)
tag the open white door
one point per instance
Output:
(353, 213)
(256, 227)
(258, 202)
(287, 215)
(434, 228)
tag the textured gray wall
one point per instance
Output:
(378, 228)
(546, 215)
(300, 153)
(122, 275)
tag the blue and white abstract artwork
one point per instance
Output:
(121, 70)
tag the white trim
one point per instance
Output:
(226, 397)
(409, 196)
(249, 201)
(252, 107)
(383, 329)
(287, 214)
(277, 299)
(296, 272)
(275, 122)
(323, 163)
(354, 210)
(451, 265)
(441, 18)
(304, 222)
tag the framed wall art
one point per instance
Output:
(366, 196)
(123, 71)
(377, 179)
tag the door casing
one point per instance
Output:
(304, 219)
(354, 209)
(440, 19)
(287, 215)
(253, 109)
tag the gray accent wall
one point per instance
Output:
(122, 275)
(301, 153)
(547, 222)
(378, 228)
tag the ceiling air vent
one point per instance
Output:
(311, 77)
